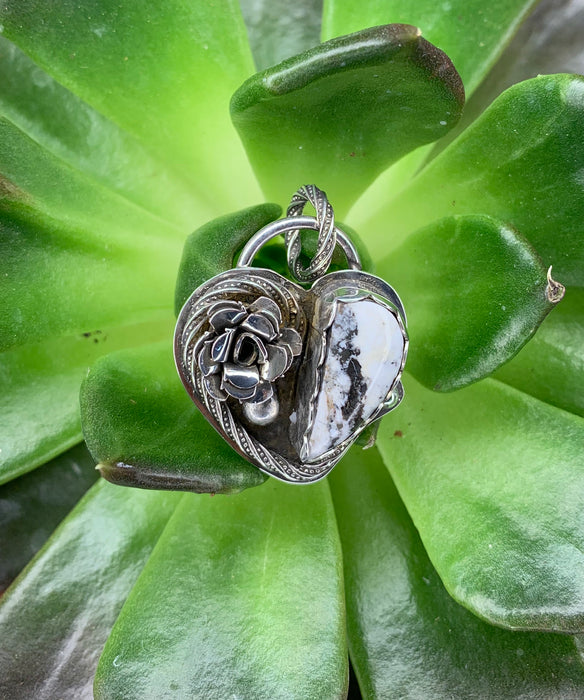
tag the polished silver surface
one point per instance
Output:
(281, 226)
(251, 347)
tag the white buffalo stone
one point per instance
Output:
(363, 359)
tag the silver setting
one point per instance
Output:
(251, 346)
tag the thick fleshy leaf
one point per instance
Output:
(36, 180)
(211, 249)
(522, 162)
(549, 41)
(551, 366)
(341, 113)
(473, 33)
(278, 30)
(493, 481)
(31, 507)
(89, 152)
(144, 430)
(243, 597)
(408, 638)
(474, 292)
(39, 401)
(164, 72)
(90, 283)
(55, 618)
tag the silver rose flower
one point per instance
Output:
(246, 351)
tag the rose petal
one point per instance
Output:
(241, 377)
(213, 386)
(206, 363)
(292, 339)
(263, 392)
(241, 353)
(268, 307)
(236, 392)
(289, 358)
(279, 359)
(260, 325)
(224, 318)
(222, 346)
(262, 350)
(197, 346)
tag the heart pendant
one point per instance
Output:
(289, 376)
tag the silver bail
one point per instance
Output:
(328, 237)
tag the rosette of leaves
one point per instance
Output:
(448, 559)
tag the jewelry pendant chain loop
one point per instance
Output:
(291, 226)
(327, 236)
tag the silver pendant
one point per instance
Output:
(289, 376)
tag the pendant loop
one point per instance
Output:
(325, 220)
(281, 226)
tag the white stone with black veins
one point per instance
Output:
(363, 359)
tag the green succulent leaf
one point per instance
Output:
(31, 507)
(407, 637)
(475, 293)
(39, 402)
(163, 72)
(35, 180)
(521, 162)
(493, 480)
(551, 366)
(549, 41)
(243, 597)
(66, 156)
(342, 112)
(144, 430)
(275, 33)
(55, 618)
(473, 33)
(90, 283)
(211, 249)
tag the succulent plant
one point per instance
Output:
(447, 560)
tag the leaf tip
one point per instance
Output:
(554, 291)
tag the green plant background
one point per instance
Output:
(446, 561)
